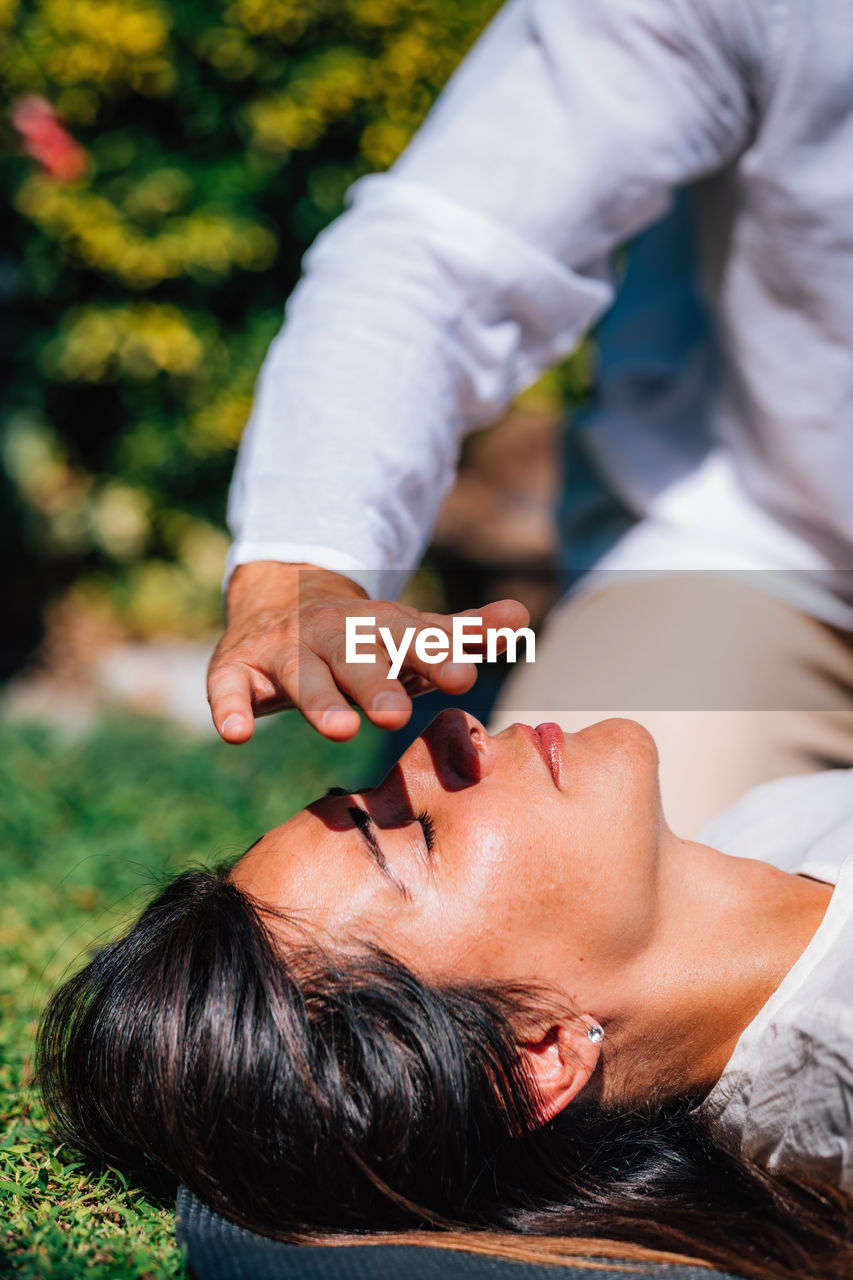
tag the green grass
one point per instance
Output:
(87, 829)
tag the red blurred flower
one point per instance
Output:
(46, 139)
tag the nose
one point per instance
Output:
(462, 751)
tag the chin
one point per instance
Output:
(627, 762)
(622, 733)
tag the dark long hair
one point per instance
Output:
(305, 1096)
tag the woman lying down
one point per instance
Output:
(495, 994)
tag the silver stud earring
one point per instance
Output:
(595, 1033)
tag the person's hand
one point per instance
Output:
(284, 647)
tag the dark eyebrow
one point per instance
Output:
(366, 828)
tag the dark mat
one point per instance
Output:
(219, 1250)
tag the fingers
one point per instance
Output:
(405, 641)
(402, 630)
(268, 664)
(415, 686)
(387, 704)
(318, 685)
(499, 615)
(454, 677)
(229, 690)
(309, 683)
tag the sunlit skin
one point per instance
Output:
(563, 874)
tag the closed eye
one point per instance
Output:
(428, 828)
(423, 818)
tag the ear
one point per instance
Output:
(560, 1063)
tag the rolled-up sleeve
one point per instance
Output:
(479, 260)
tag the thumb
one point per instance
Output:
(502, 613)
(509, 615)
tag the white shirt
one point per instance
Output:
(788, 1087)
(485, 253)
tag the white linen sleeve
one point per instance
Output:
(479, 260)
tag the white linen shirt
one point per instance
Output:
(484, 254)
(787, 1089)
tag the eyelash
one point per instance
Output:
(423, 818)
(428, 828)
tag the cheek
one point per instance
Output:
(493, 913)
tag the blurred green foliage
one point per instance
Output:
(87, 831)
(137, 302)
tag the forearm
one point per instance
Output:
(399, 339)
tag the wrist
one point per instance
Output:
(262, 584)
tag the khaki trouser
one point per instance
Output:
(736, 686)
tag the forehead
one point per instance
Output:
(314, 866)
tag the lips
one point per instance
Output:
(550, 739)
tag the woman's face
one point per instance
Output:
(524, 856)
